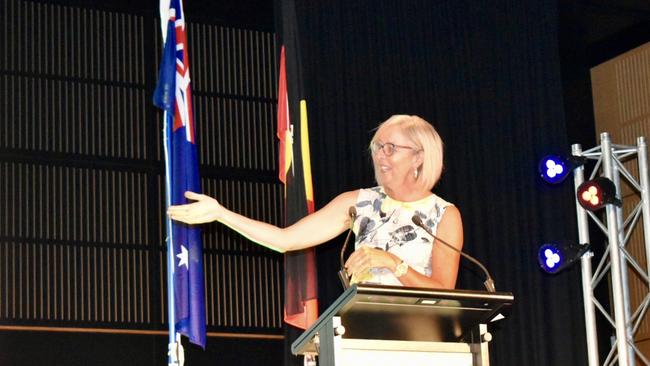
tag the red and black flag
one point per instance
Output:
(300, 292)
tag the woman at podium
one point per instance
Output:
(390, 249)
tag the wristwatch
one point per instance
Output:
(401, 269)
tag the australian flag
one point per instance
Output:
(173, 94)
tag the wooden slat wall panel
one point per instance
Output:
(81, 236)
(250, 127)
(76, 81)
(238, 195)
(73, 283)
(82, 232)
(54, 40)
(73, 204)
(74, 117)
(231, 61)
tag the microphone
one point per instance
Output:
(489, 282)
(343, 274)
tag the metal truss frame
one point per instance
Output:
(614, 264)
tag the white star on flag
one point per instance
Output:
(183, 256)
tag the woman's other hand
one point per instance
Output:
(205, 209)
(366, 257)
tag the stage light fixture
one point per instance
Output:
(556, 256)
(594, 194)
(554, 168)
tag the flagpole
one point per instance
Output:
(171, 316)
(172, 346)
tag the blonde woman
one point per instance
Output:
(407, 155)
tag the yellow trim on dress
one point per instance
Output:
(389, 204)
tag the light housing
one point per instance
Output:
(555, 168)
(556, 256)
(594, 194)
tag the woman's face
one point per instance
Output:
(396, 169)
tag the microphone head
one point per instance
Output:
(417, 220)
(352, 212)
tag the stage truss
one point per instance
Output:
(617, 262)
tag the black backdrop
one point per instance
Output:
(487, 75)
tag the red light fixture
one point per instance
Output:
(596, 193)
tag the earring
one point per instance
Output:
(415, 173)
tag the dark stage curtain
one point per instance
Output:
(486, 74)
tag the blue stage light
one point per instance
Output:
(554, 257)
(554, 168)
(550, 258)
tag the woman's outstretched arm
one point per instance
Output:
(311, 230)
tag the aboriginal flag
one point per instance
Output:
(300, 292)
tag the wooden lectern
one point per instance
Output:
(386, 325)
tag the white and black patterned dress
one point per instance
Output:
(386, 224)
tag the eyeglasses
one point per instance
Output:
(388, 148)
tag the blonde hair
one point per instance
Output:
(426, 140)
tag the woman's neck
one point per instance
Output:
(406, 194)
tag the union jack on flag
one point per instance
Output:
(185, 264)
(178, 103)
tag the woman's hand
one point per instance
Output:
(205, 209)
(365, 258)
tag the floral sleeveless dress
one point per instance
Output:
(386, 224)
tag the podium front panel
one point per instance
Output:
(411, 314)
(354, 352)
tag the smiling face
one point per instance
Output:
(422, 150)
(397, 170)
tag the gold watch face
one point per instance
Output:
(401, 269)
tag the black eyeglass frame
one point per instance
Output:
(376, 146)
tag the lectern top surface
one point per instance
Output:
(409, 314)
